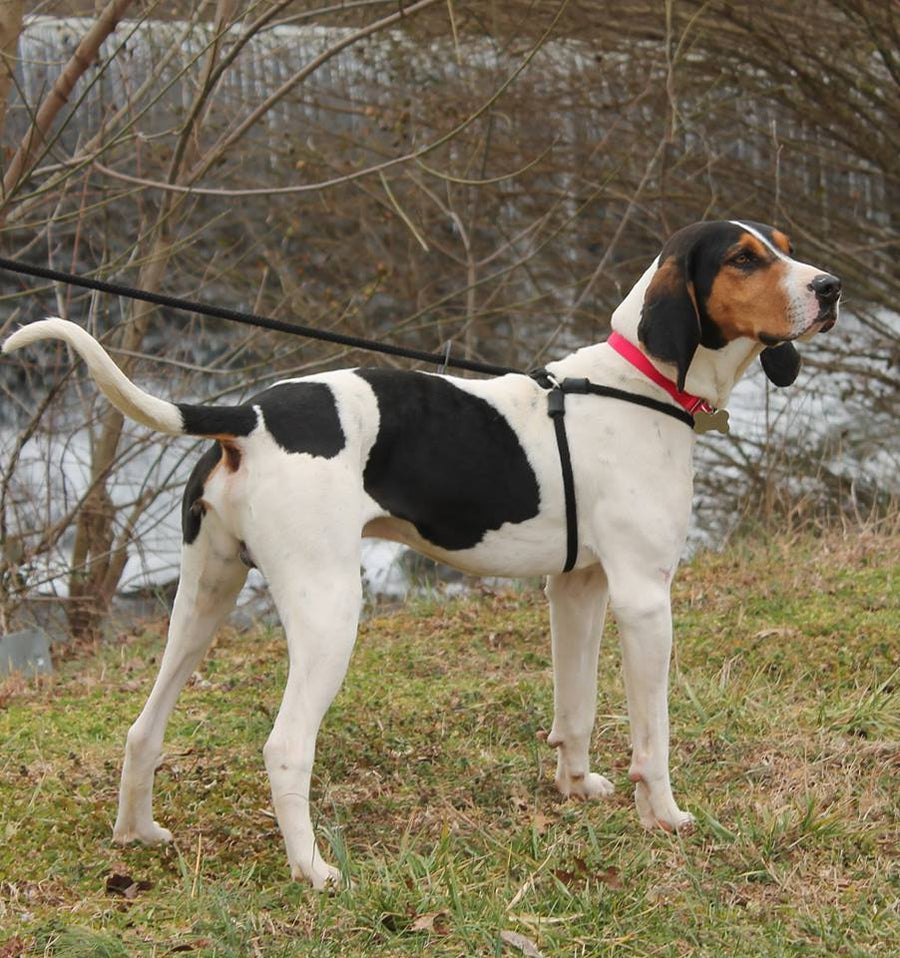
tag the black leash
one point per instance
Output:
(556, 401)
(251, 319)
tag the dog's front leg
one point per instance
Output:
(577, 612)
(640, 602)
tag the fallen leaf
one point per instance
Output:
(781, 632)
(13, 948)
(610, 877)
(541, 822)
(523, 944)
(579, 871)
(434, 922)
(125, 885)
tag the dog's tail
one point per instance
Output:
(131, 400)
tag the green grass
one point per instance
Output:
(434, 791)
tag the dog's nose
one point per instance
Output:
(826, 287)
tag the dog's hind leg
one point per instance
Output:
(211, 578)
(318, 599)
(577, 612)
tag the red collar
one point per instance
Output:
(637, 359)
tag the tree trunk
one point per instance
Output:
(10, 28)
(98, 558)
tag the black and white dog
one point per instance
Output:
(468, 472)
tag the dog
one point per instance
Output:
(469, 472)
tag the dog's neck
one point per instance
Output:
(712, 374)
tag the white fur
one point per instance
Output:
(114, 384)
(633, 478)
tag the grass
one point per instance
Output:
(434, 791)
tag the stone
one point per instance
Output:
(27, 651)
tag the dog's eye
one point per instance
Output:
(743, 258)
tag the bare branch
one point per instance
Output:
(81, 60)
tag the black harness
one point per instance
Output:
(556, 409)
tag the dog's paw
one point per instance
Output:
(588, 787)
(681, 823)
(322, 876)
(151, 834)
(665, 814)
(684, 823)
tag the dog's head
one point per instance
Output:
(717, 282)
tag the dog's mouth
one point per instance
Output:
(827, 318)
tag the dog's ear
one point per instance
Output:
(670, 324)
(781, 363)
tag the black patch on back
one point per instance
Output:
(218, 420)
(303, 417)
(445, 460)
(191, 508)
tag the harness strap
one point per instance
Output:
(586, 387)
(556, 410)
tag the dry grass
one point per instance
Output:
(435, 791)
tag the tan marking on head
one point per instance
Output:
(780, 240)
(667, 279)
(751, 304)
(754, 245)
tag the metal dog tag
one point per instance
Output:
(707, 422)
